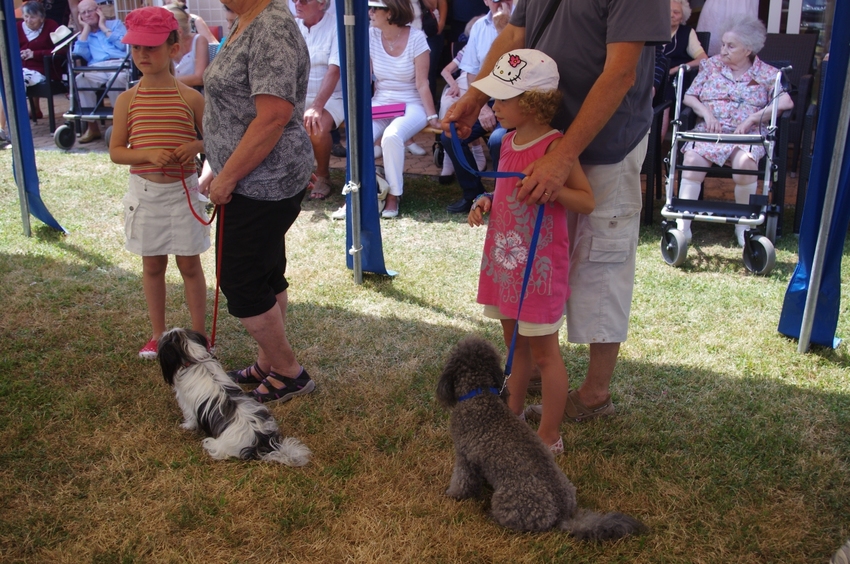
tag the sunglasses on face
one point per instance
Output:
(376, 8)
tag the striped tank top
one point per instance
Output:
(159, 118)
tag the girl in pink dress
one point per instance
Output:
(524, 84)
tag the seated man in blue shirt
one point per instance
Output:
(99, 43)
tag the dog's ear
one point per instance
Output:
(171, 354)
(446, 387)
(198, 337)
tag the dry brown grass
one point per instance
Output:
(728, 444)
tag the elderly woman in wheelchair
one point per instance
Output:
(733, 93)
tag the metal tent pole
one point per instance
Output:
(826, 218)
(351, 129)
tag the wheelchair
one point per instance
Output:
(66, 135)
(759, 254)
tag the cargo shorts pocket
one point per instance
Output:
(609, 250)
(131, 218)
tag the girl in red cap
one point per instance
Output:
(154, 131)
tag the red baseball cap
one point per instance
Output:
(149, 26)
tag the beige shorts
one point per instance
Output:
(602, 257)
(333, 106)
(526, 329)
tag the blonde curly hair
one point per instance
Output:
(543, 104)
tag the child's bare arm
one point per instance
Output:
(577, 195)
(186, 153)
(446, 73)
(119, 152)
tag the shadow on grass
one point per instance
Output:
(735, 469)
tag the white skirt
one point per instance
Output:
(158, 221)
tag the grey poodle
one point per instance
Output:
(530, 492)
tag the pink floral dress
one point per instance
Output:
(506, 246)
(731, 101)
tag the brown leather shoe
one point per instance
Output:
(90, 136)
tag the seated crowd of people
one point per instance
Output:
(406, 39)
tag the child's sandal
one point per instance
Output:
(246, 375)
(557, 448)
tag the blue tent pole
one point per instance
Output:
(826, 217)
(12, 116)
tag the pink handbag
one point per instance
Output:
(388, 111)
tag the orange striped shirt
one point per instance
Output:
(159, 118)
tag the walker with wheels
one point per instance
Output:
(66, 135)
(758, 252)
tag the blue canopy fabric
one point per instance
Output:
(829, 297)
(22, 134)
(361, 148)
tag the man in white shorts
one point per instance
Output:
(324, 109)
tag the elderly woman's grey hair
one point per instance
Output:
(34, 8)
(749, 30)
(324, 4)
(686, 9)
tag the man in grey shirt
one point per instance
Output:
(606, 79)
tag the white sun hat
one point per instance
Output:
(519, 71)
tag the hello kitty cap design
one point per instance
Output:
(519, 71)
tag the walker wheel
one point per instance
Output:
(759, 255)
(439, 154)
(107, 135)
(674, 247)
(64, 137)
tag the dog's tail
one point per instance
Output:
(588, 525)
(289, 451)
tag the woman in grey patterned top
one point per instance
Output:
(260, 160)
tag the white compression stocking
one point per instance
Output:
(742, 196)
(688, 190)
(448, 166)
(478, 154)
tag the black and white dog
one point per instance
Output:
(235, 424)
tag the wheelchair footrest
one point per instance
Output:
(716, 212)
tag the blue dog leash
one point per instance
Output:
(532, 249)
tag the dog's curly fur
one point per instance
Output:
(530, 492)
(235, 425)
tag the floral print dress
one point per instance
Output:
(508, 239)
(731, 101)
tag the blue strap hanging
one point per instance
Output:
(532, 249)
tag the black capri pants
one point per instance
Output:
(253, 251)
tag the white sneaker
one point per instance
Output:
(378, 152)
(415, 149)
(339, 214)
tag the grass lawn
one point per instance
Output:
(732, 447)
